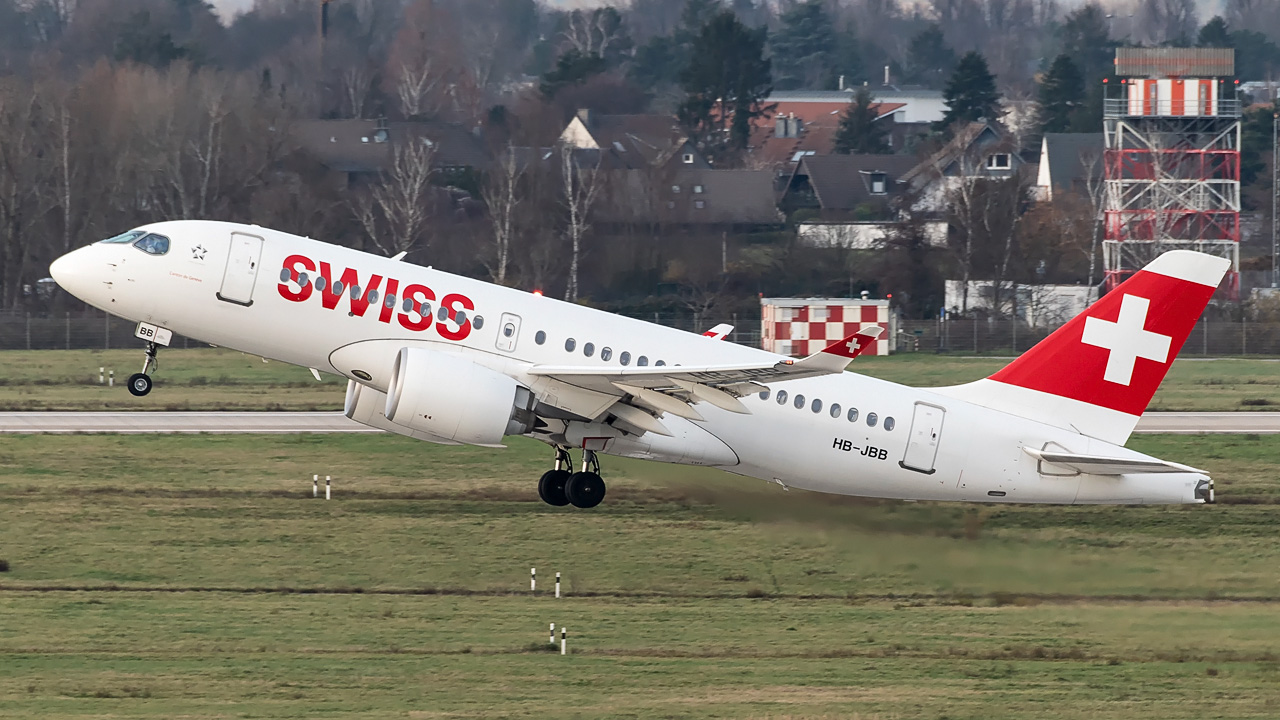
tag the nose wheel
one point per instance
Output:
(140, 383)
(583, 489)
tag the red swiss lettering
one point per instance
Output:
(418, 294)
(450, 303)
(291, 264)
(388, 308)
(350, 278)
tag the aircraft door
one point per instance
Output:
(508, 332)
(242, 269)
(922, 441)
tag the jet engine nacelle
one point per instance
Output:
(451, 397)
(365, 405)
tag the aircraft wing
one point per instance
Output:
(1100, 465)
(672, 388)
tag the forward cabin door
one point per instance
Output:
(242, 269)
(922, 442)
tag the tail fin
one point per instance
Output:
(1097, 374)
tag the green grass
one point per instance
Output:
(195, 576)
(219, 379)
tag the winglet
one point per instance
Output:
(719, 332)
(836, 356)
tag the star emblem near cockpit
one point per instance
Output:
(197, 252)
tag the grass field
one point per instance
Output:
(218, 379)
(194, 576)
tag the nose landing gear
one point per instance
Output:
(584, 489)
(140, 383)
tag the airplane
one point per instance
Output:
(453, 360)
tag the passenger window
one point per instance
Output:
(660, 363)
(285, 275)
(817, 405)
(373, 298)
(425, 310)
(589, 349)
(625, 358)
(321, 283)
(606, 353)
(337, 290)
(477, 322)
(570, 344)
(539, 337)
(460, 318)
(407, 305)
(642, 361)
(391, 302)
(835, 410)
(355, 295)
(889, 423)
(799, 403)
(442, 315)
(153, 244)
(302, 280)
(782, 397)
(764, 394)
(853, 414)
(871, 419)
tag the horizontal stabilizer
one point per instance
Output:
(1100, 465)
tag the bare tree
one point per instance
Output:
(581, 185)
(356, 83)
(395, 212)
(22, 174)
(501, 195)
(592, 32)
(416, 89)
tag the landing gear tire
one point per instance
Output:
(584, 489)
(551, 487)
(139, 384)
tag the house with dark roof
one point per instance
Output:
(1070, 162)
(840, 187)
(801, 128)
(855, 201)
(357, 151)
(693, 198)
(976, 150)
(633, 142)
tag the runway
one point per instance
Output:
(266, 423)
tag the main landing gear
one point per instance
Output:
(140, 383)
(561, 487)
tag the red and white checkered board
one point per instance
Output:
(810, 332)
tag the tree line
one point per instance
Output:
(114, 113)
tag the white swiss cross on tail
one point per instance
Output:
(1126, 339)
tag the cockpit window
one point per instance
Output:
(125, 237)
(153, 244)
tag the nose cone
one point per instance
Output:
(75, 272)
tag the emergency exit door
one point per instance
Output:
(922, 442)
(242, 269)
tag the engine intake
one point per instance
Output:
(451, 397)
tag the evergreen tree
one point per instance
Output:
(662, 59)
(803, 46)
(858, 131)
(846, 61)
(929, 59)
(572, 68)
(1215, 34)
(1061, 95)
(1086, 41)
(971, 94)
(726, 81)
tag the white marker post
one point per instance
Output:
(557, 585)
(533, 579)
(563, 643)
(315, 486)
(553, 634)
(326, 487)
(102, 376)
(111, 378)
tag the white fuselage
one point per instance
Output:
(966, 452)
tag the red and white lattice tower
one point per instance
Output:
(1172, 159)
(803, 326)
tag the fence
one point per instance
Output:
(95, 330)
(1005, 337)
